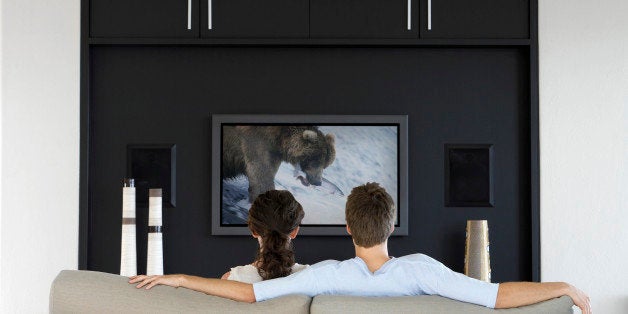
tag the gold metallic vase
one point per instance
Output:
(477, 261)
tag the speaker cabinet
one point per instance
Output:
(153, 166)
(469, 175)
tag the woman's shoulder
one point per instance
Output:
(249, 274)
(245, 273)
(245, 268)
(298, 267)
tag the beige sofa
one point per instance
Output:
(94, 292)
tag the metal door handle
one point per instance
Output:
(189, 14)
(209, 14)
(429, 15)
(409, 14)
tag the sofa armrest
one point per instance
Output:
(76, 291)
(426, 304)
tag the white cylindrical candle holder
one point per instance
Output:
(477, 261)
(128, 250)
(155, 253)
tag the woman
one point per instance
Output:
(274, 220)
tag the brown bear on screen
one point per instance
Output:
(257, 151)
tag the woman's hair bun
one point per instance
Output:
(273, 216)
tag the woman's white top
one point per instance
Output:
(249, 274)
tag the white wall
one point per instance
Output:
(40, 149)
(1, 102)
(584, 147)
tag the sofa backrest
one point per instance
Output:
(95, 292)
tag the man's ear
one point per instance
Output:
(294, 233)
(392, 229)
(348, 230)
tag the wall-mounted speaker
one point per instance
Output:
(469, 175)
(153, 166)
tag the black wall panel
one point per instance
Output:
(142, 18)
(255, 19)
(475, 19)
(363, 19)
(152, 95)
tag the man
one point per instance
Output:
(370, 216)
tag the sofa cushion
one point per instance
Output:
(95, 292)
(425, 304)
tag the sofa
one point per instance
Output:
(76, 291)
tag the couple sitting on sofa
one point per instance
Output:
(274, 220)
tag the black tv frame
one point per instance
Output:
(218, 120)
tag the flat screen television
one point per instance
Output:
(318, 158)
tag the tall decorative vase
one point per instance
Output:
(128, 250)
(477, 262)
(155, 254)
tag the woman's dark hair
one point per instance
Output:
(273, 216)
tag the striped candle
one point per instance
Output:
(155, 254)
(128, 253)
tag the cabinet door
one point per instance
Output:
(363, 18)
(143, 18)
(255, 18)
(475, 18)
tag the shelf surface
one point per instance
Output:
(307, 42)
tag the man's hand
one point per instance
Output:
(234, 290)
(515, 294)
(580, 299)
(151, 281)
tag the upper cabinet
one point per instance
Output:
(255, 18)
(364, 18)
(475, 18)
(374, 19)
(143, 18)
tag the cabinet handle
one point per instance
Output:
(209, 14)
(409, 14)
(189, 14)
(429, 15)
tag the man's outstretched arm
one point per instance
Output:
(515, 294)
(229, 289)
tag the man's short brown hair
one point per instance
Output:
(370, 213)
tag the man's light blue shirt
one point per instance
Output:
(415, 274)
